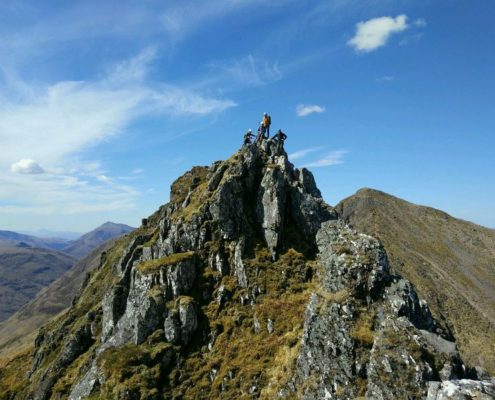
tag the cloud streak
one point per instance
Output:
(333, 158)
(303, 153)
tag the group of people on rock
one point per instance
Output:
(264, 132)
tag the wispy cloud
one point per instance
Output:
(69, 116)
(303, 110)
(333, 158)
(62, 194)
(374, 33)
(420, 22)
(303, 153)
(252, 71)
(180, 21)
(385, 79)
(103, 178)
(44, 129)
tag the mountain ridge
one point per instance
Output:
(428, 245)
(247, 285)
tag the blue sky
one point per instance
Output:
(103, 104)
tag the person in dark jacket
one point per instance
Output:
(248, 136)
(280, 136)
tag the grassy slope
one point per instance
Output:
(24, 272)
(450, 261)
(18, 332)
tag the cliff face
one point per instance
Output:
(245, 285)
(450, 262)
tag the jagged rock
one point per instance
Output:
(271, 203)
(188, 319)
(87, 385)
(113, 306)
(216, 262)
(172, 327)
(464, 389)
(145, 308)
(180, 277)
(365, 328)
(216, 177)
(240, 272)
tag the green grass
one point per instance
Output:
(153, 266)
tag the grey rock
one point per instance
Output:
(366, 327)
(172, 327)
(464, 389)
(113, 306)
(271, 206)
(240, 271)
(181, 276)
(217, 177)
(86, 385)
(269, 325)
(188, 319)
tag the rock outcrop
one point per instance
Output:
(245, 285)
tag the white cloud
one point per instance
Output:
(303, 110)
(303, 153)
(374, 33)
(26, 166)
(333, 158)
(385, 79)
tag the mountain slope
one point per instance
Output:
(20, 329)
(91, 240)
(451, 262)
(24, 272)
(243, 286)
(14, 239)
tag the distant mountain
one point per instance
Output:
(46, 233)
(29, 264)
(24, 271)
(451, 262)
(91, 240)
(13, 239)
(20, 328)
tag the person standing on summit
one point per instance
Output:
(265, 123)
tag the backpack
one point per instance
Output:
(268, 120)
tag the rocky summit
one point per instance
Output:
(245, 285)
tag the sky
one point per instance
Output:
(103, 104)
